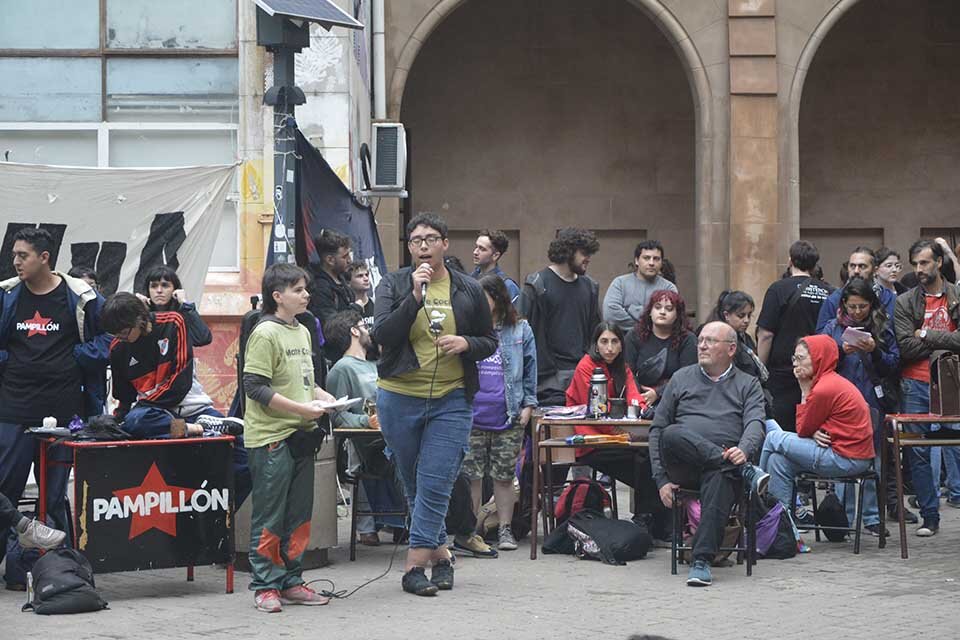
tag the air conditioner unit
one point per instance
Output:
(389, 157)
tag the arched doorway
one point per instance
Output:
(530, 116)
(879, 135)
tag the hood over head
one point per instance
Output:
(823, 354)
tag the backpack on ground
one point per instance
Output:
(611, 541)
(776, 533)
(830, 513)
(580, 494)
(63, 583)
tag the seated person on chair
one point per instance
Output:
(708, 424)
(606, 354)
(834, 430)
(356, 377)
(152, 361)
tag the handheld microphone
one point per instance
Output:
(423, 292)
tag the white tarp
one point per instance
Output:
(119, 222)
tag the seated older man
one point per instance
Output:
(834, 431)
(708, 424)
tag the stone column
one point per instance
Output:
(754, 218)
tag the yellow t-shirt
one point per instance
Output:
(282, 353)
(449, 368)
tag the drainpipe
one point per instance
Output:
(379, 63)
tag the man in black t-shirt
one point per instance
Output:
(789, 312)
(53, 359)
(562, 305)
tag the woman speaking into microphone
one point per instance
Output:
(432, 325)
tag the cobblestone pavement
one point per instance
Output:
(829, 593)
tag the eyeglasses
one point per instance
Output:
(712, 342)
(798, 359)
(431, 241)
(893, 266)
(857, 307)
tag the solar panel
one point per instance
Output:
(322, 11)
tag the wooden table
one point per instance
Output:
(543, 490)
(903, 440)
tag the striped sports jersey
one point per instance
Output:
(157, 369)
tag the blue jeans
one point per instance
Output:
(786, 454)
(18, 451)
(926, 482)
(427, 441)
(949, 457)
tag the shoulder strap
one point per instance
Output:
(795, 296)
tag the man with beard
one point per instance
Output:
(926, 320)
(561, 303)
(330, 290)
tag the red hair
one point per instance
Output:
(680, 328)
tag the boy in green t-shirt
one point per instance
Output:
(283, 404)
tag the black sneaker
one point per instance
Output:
(222, 426)
(909, 517)
(755, 477)
(804, 520)
(442, 574)
(415, 581)
(876, 529)
(929, 528)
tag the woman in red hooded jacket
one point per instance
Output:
(834, 430)
(606, 353)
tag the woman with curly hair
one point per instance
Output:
(660, 344)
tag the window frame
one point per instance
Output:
(104, 127)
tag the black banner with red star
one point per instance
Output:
(153, 506)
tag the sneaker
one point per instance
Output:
(37, 535)
(268, 600)
(699, 575)
(929, 528)
(302, 594)
(953, 503)
(370, 539)
(755, 477)
(804, 520)
(473, 546)
(415, 581)
(909, 517)
(505, 539)
(876, 530)
(912, 501)
(442, 574)
(222, 426)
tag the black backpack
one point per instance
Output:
(63, 583)
(250, 321)
(830, 513)
(611, 541)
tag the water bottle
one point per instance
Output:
(597, 407)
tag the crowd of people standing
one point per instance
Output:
(454, 364)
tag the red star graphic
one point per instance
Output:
(38, 320)
(166, 522)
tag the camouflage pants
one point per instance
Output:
(493, 453)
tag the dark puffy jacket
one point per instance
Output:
(395, 311)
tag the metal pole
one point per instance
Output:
(284, 163)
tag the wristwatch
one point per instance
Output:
(923, 333)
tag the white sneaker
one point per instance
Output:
(39, 536)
